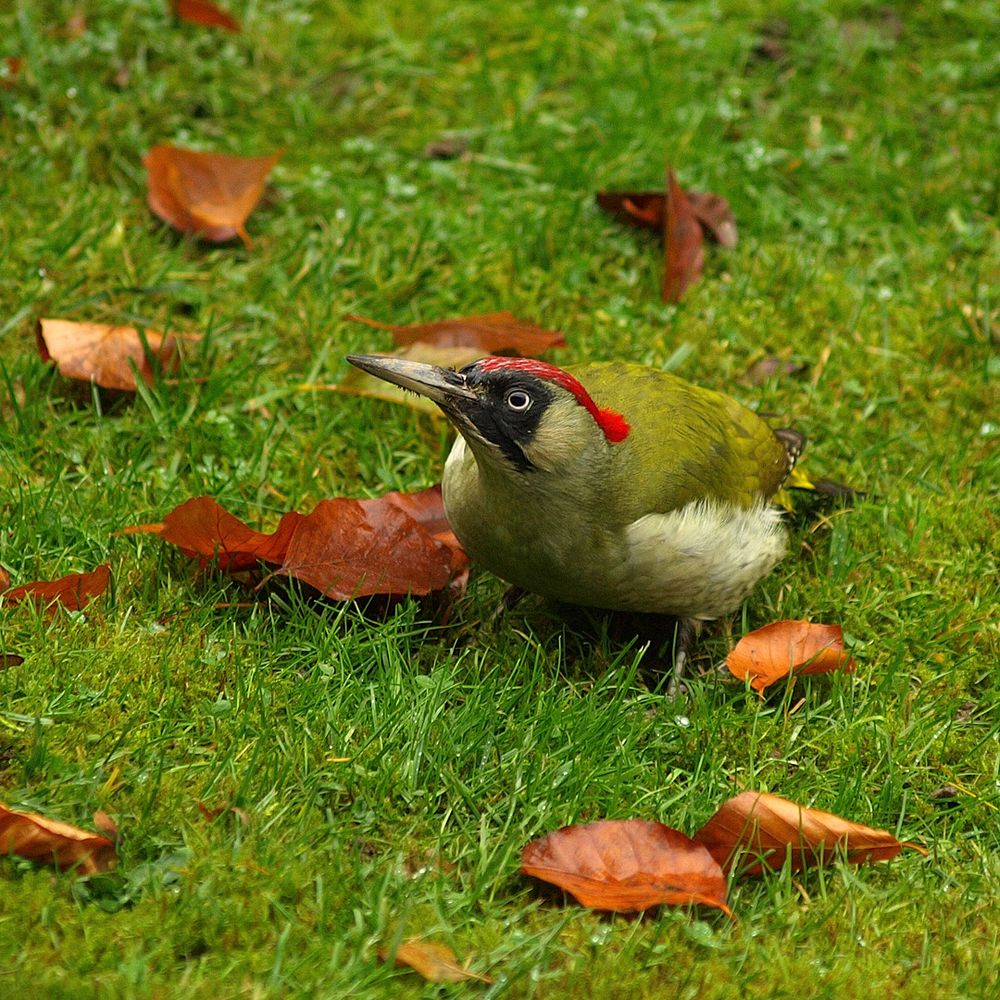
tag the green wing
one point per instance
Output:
(686, 442)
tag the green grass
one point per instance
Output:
(862, 170)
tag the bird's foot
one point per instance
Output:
(512, 596)
(685, 636)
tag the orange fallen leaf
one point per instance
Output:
(770, 653)
(205, 13)
(4, 579)
(764, 830)
(646, 210)
(355, 548)
(489, 333)
(396, 544)
(210, 194)
(73, 591)
(39, 839)
(683, 251)
(715, 215)
(97, 352)
(106, 825)
(437, 963)
(627, 865)
(202, 529)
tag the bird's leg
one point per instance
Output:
(512, 596)
(686, 634)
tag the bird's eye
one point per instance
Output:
(518, 400)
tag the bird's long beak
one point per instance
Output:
(441, 385)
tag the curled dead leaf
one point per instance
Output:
(205, 13)
(683, 248)
(627, 866)
(73, 591)
(108, 355)
(211, 194)
(437, 963)
(488, 333)
(770, 653)
(47, 841)
(396, 544)
(716, 217)
(756, 829)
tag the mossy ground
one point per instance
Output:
(392, 769)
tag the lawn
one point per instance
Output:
(388, 767)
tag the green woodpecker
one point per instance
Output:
(606, 484)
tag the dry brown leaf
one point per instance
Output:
(106, 825)
(72, 592)
(642, 209)
(715, 215)
(683, 247)
(355, 548)
(39, 839)
(205, 13)
(396, 544)
(97, 352)
(646, 210)
(488, 333)
(756, 829)
(202, 529)
(437, 963)
(770, 653)
(210, 194)
(4, 579)
(359, 383)
(626, 866)
(8, 660)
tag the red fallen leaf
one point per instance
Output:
(4, 579)
(73, 592)
(106, 825)
(39, 839)
(96, 352)
(642, 209)
(491, 333)
(682, 243)
(210, 194)
(205, 13)
(776, 650)
(715, 215)
(355, 548)
(437, 963)
(396, 544)
(627, 865)
(769, 829)
(646, 210)
(202, 529)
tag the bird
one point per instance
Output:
(608, 484)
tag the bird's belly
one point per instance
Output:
(700, 561)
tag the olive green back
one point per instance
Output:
(686, 442)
